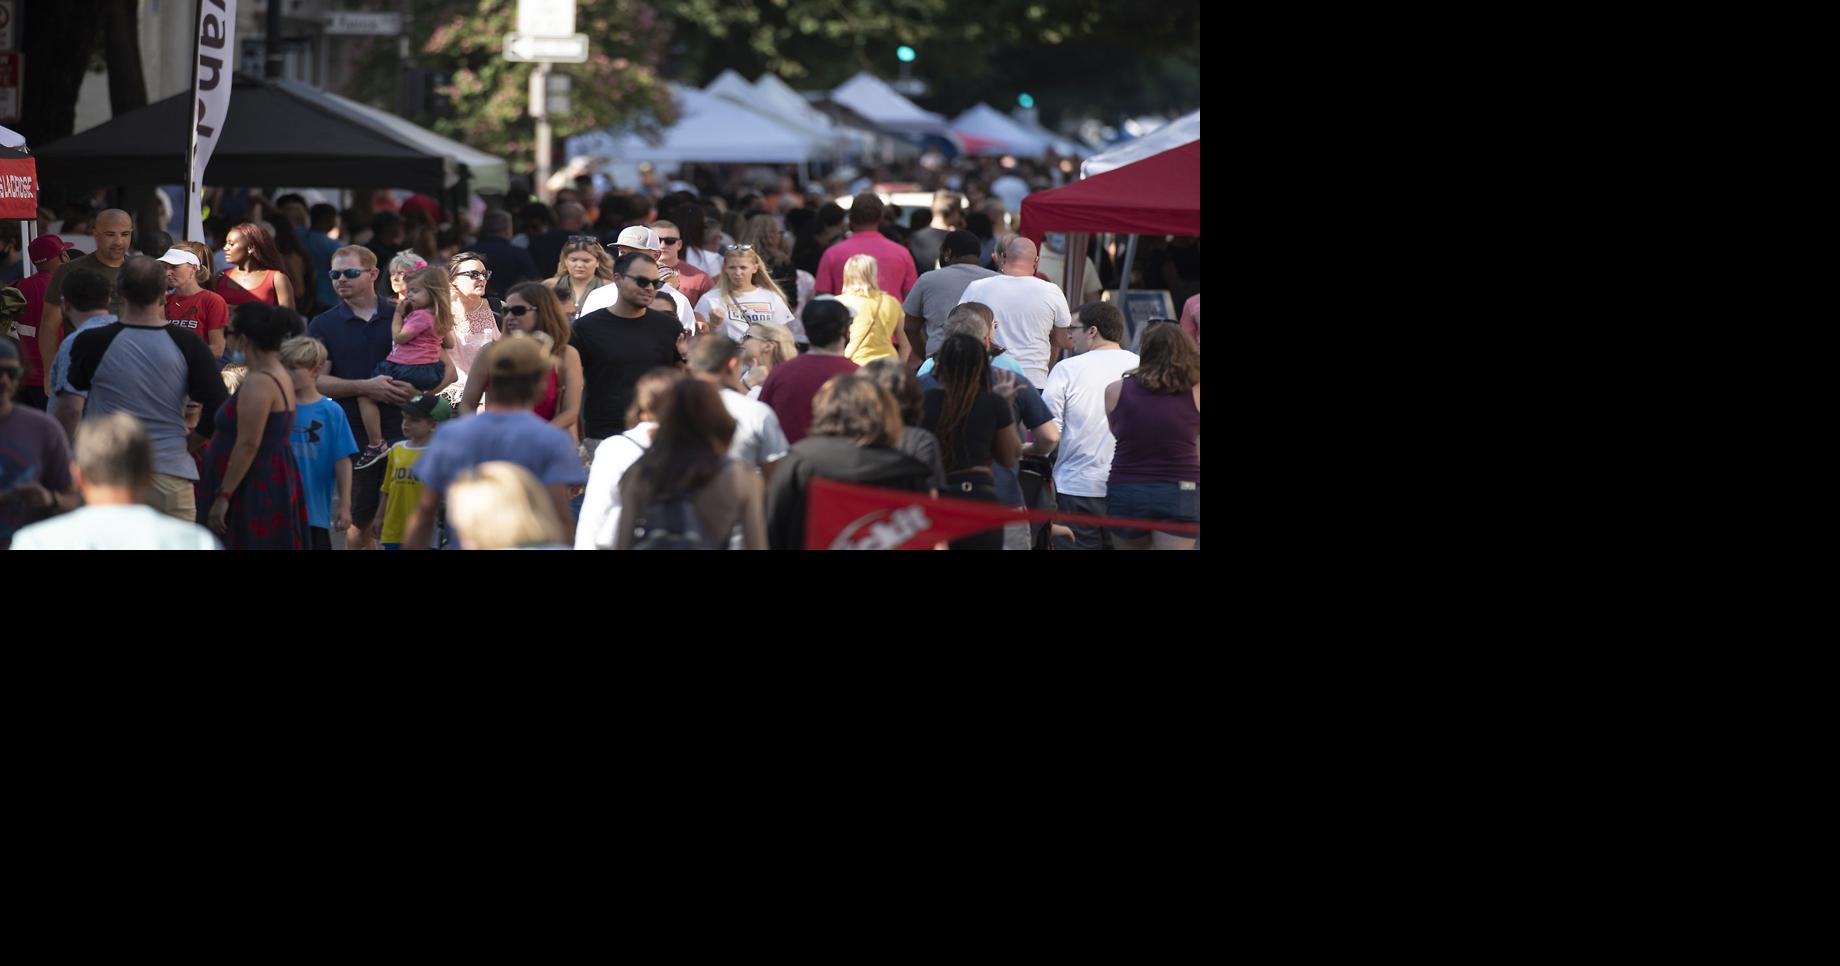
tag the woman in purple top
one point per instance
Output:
(1155, 412)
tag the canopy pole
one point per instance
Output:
(1124, 289)
(27, 228)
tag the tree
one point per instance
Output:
(488, 96)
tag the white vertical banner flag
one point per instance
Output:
(212, 66)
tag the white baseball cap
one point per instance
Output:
(640, 237)
(179, 256)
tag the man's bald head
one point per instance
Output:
(114, 233)
(1019, 257)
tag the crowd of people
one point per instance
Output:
(625, 370)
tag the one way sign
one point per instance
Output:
(548, 50)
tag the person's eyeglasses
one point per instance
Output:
(664, 242)
(339, 273)
(516, 311)
(482, 276)
(642, 282)
(14, 373)
(736, 248)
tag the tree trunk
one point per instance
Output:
(122, 47)
(56, 41)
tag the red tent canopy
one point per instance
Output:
(1160, 195)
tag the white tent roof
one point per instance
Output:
(775, 94)
(882, 105)
(488, 174)
(1008, 137)
(1061, 145)
(734, 88)
(11, 138)
(712, 129)
(1172, 135)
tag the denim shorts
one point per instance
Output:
(423, 377)
(1175, 502)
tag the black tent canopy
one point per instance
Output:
(274, 135)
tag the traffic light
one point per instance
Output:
(1024, 100)
(905, 53)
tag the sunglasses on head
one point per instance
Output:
(584, 240)
(736, 248)
(339, 273)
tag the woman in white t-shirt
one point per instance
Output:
(600, 503)
(745, 294)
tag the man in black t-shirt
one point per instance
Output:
(619, 344)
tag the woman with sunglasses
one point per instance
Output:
(745, 294)
(475, 325)
(533, 307)
(583, 267)
(766, 345)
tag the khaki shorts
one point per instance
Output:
(173, 496)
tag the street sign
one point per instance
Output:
(9, 86)
(354, 23)
(546, 18)
(528, 48)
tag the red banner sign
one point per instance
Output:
(844, 516)
(18, 188)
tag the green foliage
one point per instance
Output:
(490, 96)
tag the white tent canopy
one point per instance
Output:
(711, 129)
(10, 138)
(1003, 135)
(487, 173)
(734, 88)
(1168, 137)
(884, 107)
(1062, 146)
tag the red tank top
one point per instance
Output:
(234, 294)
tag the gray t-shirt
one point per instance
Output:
(936, 294)
(149, 372)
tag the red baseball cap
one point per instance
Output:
(47, 247)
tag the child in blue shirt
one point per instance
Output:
(323, 443)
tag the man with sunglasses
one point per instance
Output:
(620, 343)
(34, 456)
(356, 333)
(640, 240)
(691, 281)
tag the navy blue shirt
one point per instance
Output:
(508, 264)
(354, 347)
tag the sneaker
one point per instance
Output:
(372, 454)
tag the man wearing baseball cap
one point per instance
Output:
(507, 430)
(191, 306)
(643, 240)
(48, 254)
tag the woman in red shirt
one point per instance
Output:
(189, 305)
(257, 273)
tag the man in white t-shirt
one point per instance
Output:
(114, 469)
(641, 239)
(1027, 308)
(1075, 394)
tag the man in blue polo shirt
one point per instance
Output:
(357, 336)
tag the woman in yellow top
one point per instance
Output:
(876, 331)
